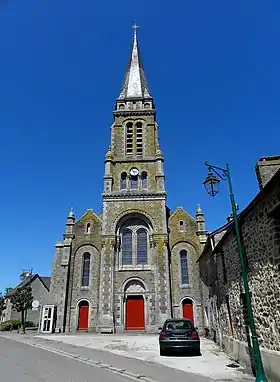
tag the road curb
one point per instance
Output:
(100, 365)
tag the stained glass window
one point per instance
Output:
(141, 246)
(86, 269)
(184, 267)
(127, 248)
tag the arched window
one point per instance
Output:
(88, 228)
(144, 180)
(181, 225)
(127, 248)
(142, 250)
(86, 269)
(129, 138)
(134, 248)
(134, 182)
(139, 138)
(184, 267)
(123, 181)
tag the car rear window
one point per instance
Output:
(178, 325)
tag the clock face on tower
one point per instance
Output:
(134, 171)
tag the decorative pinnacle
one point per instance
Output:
(199, 210)
(71, 213)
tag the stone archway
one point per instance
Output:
(134, 305)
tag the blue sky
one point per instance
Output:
(212, 67)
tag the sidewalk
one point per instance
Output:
(212, 364)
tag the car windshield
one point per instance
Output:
(178, 325)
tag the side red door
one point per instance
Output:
(135, 315)
(188, 312)
(83, 318)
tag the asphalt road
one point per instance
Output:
(34, 359)
(25, 363)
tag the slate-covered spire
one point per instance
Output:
(135, 84)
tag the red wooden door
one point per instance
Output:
(83, 318)
(188, 311)
(135, 315)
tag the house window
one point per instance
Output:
(181, 226)
(184, 267)
(86, 269)
(139, 138)
(129, 138)
(88, 228)
(142, 250)
(127, 248)
(144, 177)
(134, 182)
(123, 181)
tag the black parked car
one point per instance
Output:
(178, 335)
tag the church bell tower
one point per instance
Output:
(134, 196)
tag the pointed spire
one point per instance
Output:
(135, 84)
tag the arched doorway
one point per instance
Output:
(134, 306)
(83, 315)
(187, 309)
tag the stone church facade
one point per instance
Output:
(135, 264)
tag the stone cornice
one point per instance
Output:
(125, 113)
(134, 159)
(134, 196)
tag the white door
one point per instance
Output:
(47, 319)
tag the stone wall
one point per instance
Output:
(266, 168)
(221, 273)
(262, 252)
(91, 243)
(183, 236)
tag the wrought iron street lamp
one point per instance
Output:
(211, 184)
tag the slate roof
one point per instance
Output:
(135, 84)
(46, 280)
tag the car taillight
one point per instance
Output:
(194, 336)
(163, 335)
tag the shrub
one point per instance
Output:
(10, 325)
(29, 324)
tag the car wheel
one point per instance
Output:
(197, 352)
(162, 352)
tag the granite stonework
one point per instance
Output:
(223, 291)
(266, 168)
(133, 201)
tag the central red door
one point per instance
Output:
(188, 311)
(135, 315)
(83, 317)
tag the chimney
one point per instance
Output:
(266, 168)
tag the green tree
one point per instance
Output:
(21, 301)
(2, 305)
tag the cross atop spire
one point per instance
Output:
(135, 83)
(135, 27)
